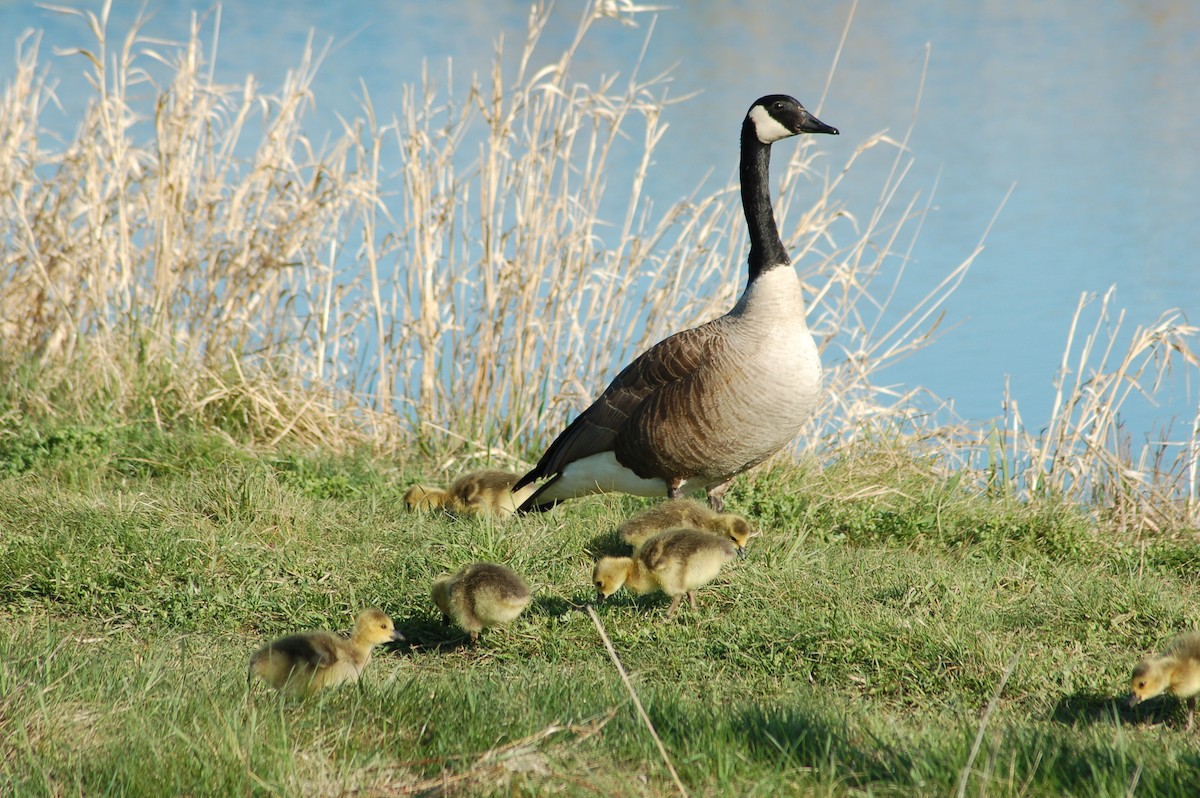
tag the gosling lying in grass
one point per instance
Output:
(487, 492)
(480, 596)
(686, 513)
(305, 663)
(676, 562)
(1176, 670)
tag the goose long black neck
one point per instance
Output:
(766, 248)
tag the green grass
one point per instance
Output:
(196, 383)
(853, 652)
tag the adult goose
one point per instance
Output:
(705, 404)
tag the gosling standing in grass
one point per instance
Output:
(480, 596)
(686, 513)
(487, 492)
(304, 663)
(1176, 670)
(676, 562)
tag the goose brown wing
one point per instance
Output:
(669, 362)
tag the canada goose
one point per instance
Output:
(481, 595)
(487, 492)
(705, 404)
(676, 562)
(1177, 671)
(305, 663)
(677, 513)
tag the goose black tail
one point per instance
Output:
(532, 505)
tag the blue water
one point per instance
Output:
(1085, 110)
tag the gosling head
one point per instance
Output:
(738, 530)
(1150, 679)
(469, 498)
(373, 627)
(609, 575)
(421, 498)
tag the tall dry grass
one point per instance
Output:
(455, 267)
(1084, 452)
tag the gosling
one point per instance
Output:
(302, 664)
(487, 492)
(676, 562)
(1176, 671)
(680, 513)
(480, 596)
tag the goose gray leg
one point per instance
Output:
(716, 496)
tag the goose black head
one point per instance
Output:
(777, 116)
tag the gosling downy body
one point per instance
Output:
(686, 513)
(487, 492)
(706, 404)
(305, 663)
(480, 596)
(676, 562)
(1176, 671)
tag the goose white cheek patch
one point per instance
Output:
(766, 127)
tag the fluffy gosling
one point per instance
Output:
(487, 492)
(304, 663)
(681, 513)
(480, 596)
(676, 562)
(1176, 670)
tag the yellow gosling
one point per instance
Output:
(676, 562)
(486, 492)
(480, 596)
(1176, 670)
(305, 663)
(686, 513)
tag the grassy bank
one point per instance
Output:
(470, 268)
(856, 650)
(227, 351)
